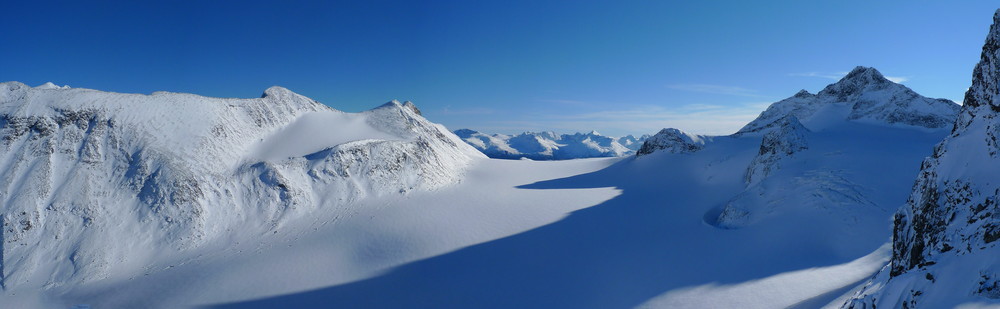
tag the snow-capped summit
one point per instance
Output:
(50, 85)
(945, 239)
(549, 145)
(863, 95)
(95, 180)
(803, 94)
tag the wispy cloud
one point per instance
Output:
(716, 89)
(448, 110)
(695, 118)
(834, 76)
(839, 75)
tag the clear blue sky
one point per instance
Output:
(502, 66)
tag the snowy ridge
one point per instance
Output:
(93, 180)
(551, 146)
(945, 244)
(864, 95)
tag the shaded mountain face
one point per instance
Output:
(672, 140)
(864, 95)
(91, 180)
(945, 239)
(551, 146)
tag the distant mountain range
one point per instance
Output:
(551, 146)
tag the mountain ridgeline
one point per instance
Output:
(551, 146)
(92, 180)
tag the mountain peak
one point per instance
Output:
(404, 105)
(50, 85)
(275, 91)
(803, 94)
(864, 75)
(859, 80)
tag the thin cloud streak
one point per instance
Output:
(716, 89)
(641, 120)
(447, 110)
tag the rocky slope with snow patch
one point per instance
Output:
(945, 239)
(777, 145)
(672, 140)
(551, 146)
(94, 181)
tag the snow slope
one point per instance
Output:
(655, 243)
(945, 249)
(551, 146)
(97, 184)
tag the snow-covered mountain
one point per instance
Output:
(859, 104)
(864, 95)
(551, 146)
(945, 249)
(94, 183)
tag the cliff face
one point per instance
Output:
(945, 238)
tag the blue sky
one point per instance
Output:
(619, 67)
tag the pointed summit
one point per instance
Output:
(412, 107)
(859, 80)
(986, 76)
(803, 94)
(862, 73)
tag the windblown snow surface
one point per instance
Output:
(796, 213)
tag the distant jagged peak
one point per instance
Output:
(465, 133)
(803, 94)
(672, 140)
